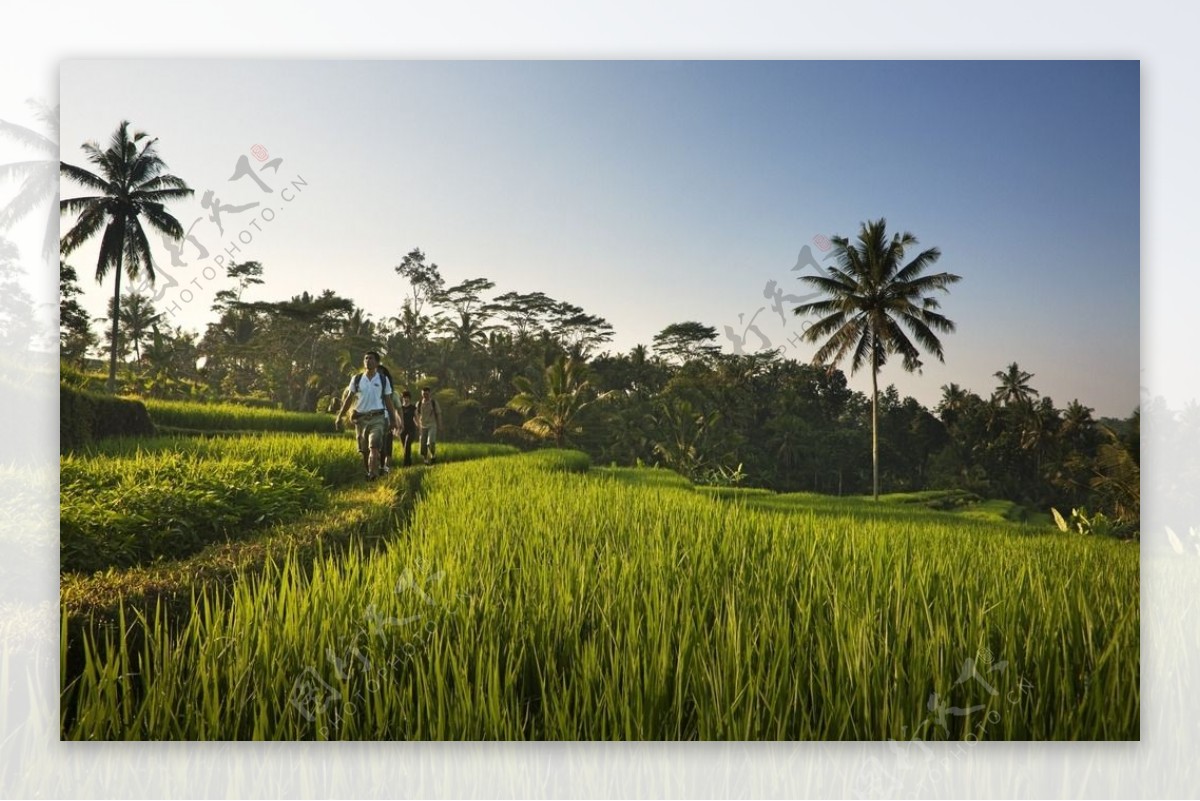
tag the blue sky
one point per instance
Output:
(656, 192)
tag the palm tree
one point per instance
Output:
(1014, 389)
(683, 430)
(132, 183)
(553, 409)
(1079, 431)
(38, 177)
(137, 317)
(871, 297)
(1118, 478)
(954, 400)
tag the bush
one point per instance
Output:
(85, 417)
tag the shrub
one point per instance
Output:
(85, 417)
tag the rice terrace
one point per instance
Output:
(251, 585)
(434, 504)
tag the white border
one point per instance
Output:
(1160, 34)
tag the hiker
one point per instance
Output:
(429, 417)
(371, 392)
(408, 425)
(390, 424)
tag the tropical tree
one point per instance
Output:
(425, 280)
(554, 408)
(406, 339)
(524, 313)
(577, 331)
(38, 177)
(682, 432)
(954, 400)
(137, 319)
(17, 327)
(246, 274)
(1014, 389)
(171, 356)
(74, 324)
(466, 326)
(686, 341)
(871, 298)
(1118, 480)
(132, 184)
(1079, 429)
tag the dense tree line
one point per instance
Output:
(526, 367)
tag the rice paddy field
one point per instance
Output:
(534, 596)
(191, 416)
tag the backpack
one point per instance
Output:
(433, 404)
(383, 371)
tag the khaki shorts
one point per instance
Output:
(370, 429)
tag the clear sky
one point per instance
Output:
(656, 192)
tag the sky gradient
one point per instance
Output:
(656, 192)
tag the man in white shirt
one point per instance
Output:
(371, 392)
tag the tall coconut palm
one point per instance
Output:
(131, 184)
(38, 177)
(872, 297)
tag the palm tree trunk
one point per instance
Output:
(875, 425)
(112, 361)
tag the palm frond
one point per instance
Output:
(84, 178)
(161, 221)
(28, 137)
(112, 247)
(76, 205)
(137, 254)
(89, 222)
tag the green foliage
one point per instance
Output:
(86, 417)
(132, 186)
(722, 476)
(233, 417)
(74, 323)
(1098, 524)
(355, 515)
(871, 299)
(683, 432)
(117, 512)
(528, 601)
(941, 500)
(686, 341)
(553, 409)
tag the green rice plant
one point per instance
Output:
(361, 513)
(122, 511)
(528, 599)
(232, 417)
(333, 456)
(357, 512)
